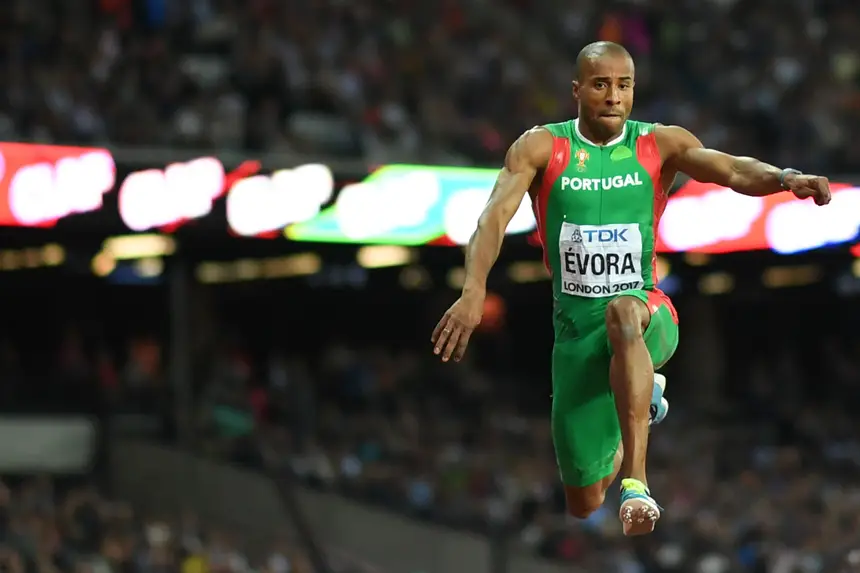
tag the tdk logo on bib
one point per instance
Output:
(600, 236)
(600, 260)
(601, 183)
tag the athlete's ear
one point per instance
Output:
(575, 90)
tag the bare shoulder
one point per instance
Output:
(673, 140)
(532, 149)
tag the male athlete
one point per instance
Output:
(598, 185)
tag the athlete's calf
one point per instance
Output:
(631, 375)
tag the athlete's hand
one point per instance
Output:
(805, 186)
(451, 335)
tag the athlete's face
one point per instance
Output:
(604, 91)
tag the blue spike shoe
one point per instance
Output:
(659, 404)
(639, 512)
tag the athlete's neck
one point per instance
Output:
(598, 135)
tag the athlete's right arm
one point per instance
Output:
(528, 154)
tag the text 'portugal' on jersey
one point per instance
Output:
(597, 208)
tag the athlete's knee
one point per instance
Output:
(583, 501)
(626, 319)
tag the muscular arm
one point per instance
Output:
(683, 152)
(529, 153)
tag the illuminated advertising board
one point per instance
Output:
(76, 188)
(415, 205)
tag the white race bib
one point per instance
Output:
(600, 260)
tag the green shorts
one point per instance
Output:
(585, 426)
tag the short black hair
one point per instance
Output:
(596, 50)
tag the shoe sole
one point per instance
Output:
(638, 517)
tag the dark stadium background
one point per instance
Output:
(184, 399)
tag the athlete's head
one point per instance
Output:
(603, 87)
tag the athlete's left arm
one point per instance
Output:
(683, 152)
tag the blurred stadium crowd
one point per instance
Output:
(67, 525)
(447, 81)
(764, 480)
(746, 488)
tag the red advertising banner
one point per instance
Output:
(40, 184)
(707, 218)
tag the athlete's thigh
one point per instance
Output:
(661, 336)
(584, 421)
